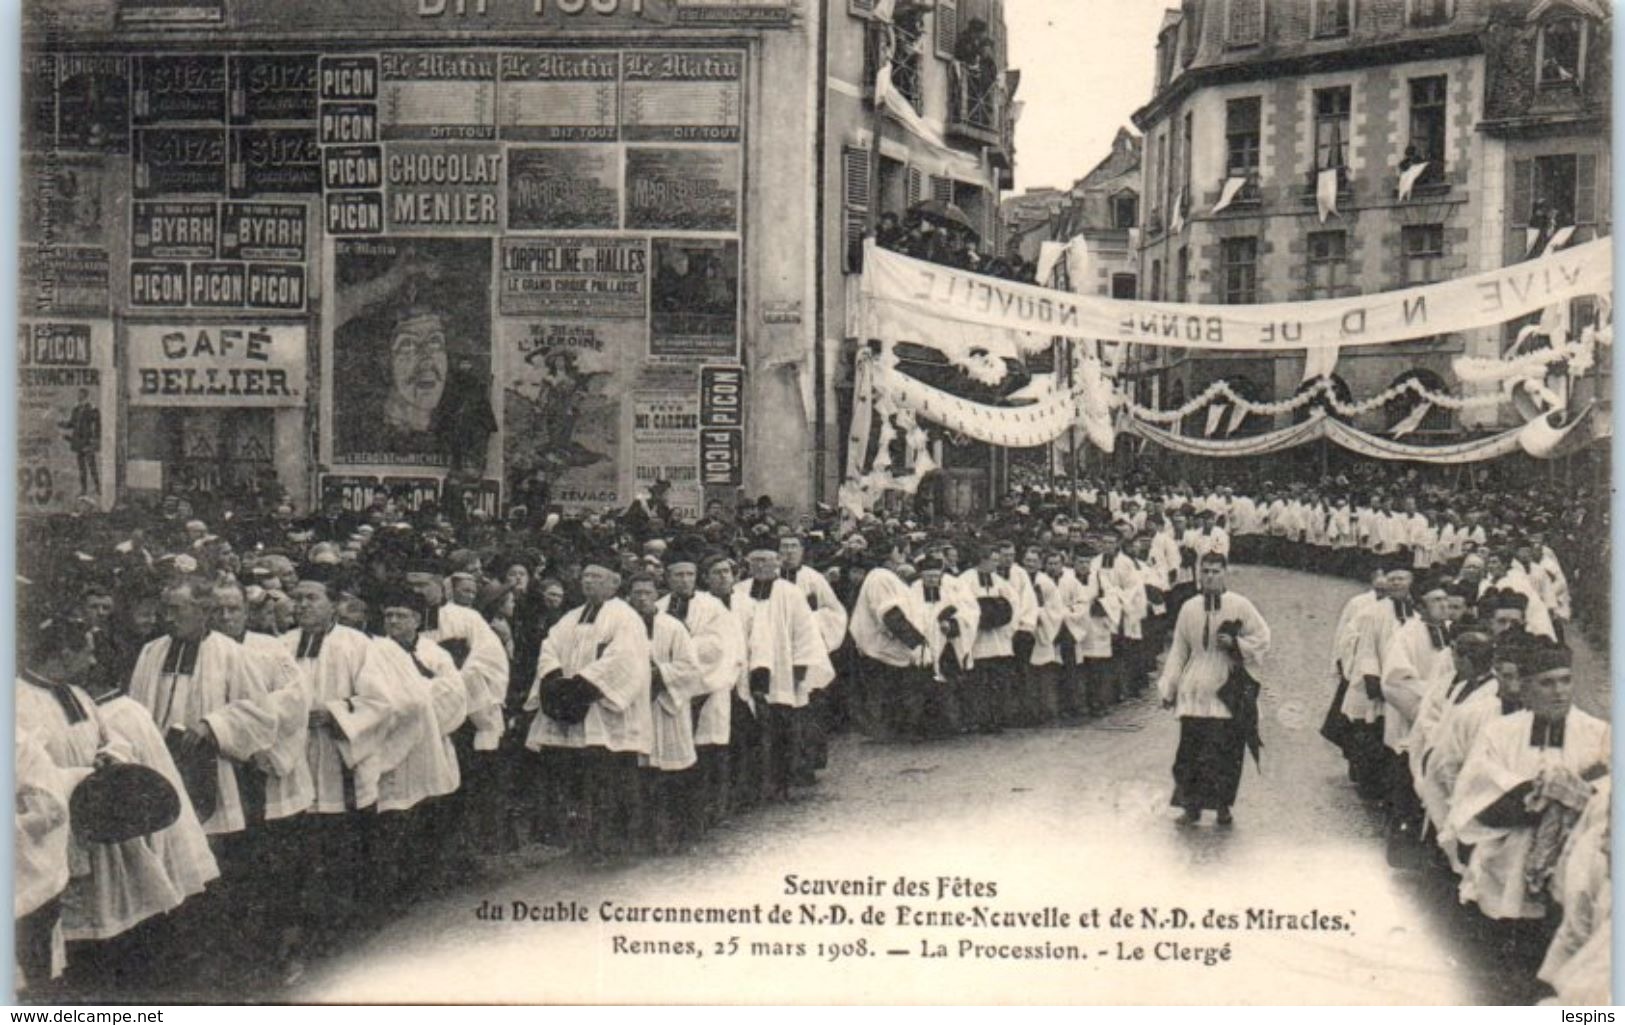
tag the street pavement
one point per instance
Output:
(1074, 819)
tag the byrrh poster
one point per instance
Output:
(673, 503)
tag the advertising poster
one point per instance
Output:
(666, 447)
(76, 192)
(437, 189)
(576, 276)
(263, 231)
(275, 162)
(179, 161)
(411, 344)
(65, 407)
(346, 123)
(567, 381)
(175, 231)
(93, 94)
(273, 87)
(352, 167)
(564, 188)
(439, 95)
(560, 96)
(682, 95)
(694, 300)
(70, 280)
(171, 12)
(683, 189)
(275, 286)
(39, 100)
(234, 365)
(347, 78)
(177, 88)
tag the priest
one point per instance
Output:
(719, 648)
(949, 620)
(675, 681)
(888, 632)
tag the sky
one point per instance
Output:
(1085, 66)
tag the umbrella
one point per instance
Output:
(946, 214)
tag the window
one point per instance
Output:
(1244, 22)
(1185, 153)
(1427, 119)
(1124, 286)
(1560, 52)
(1238, 270)
(1424, 13)
(1332, 18)
(1165, 59)
(1156, 281)
(1422, 246)
(1328, 263)
(945, 22)
(1125, 210)
(1332, 127)
(1182, 273)
(1241, 128)
(1555, 191)
(855, 189)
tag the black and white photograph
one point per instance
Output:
(814, 502)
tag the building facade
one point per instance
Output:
(950, 63)
(1268, 94)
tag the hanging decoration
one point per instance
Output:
(1320, 427)
(1227, 195)
(1221, 391)
(1408, 178)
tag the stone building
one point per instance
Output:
(1254, 99)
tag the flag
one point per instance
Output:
(1238, 414)
(1560, 238)
(1049, 254)
(1319, 363)
(1177, 224)
(1232, 186)
(1408, 177)
(1531, 236)
(1326, 193)
(1412, 421)
(1215, 414)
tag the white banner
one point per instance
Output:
(918, 300)
(1340, 434)
(1007, 426)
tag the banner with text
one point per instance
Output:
(216, 365)
(924, 296)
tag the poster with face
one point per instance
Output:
(694, 300)
(411, 376)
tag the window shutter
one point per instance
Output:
(947, 28)
(1523, 191)
(1585, 189)
(914, 187)
(942, 189)
(862, 8)
(855, 198)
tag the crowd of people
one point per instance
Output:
(355, 708)
(925, 236)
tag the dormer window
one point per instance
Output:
(1560, 51)
(1332, 18)
(1427, 13)
(1244, 22)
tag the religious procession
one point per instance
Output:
(510, 492)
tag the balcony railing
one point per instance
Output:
(905, 63)
(976, 104)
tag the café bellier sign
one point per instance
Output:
(224, 365)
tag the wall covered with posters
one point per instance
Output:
(508, 239)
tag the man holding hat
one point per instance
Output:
(592, 693)
(888, 631)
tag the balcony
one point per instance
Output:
(906, 47)
(976, 106)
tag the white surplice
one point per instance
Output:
(883, 591)
(345, 761)
(288, 787)
(781, 635)
(672, 657)
(953, 604)
(826, 607)
(1411, 666)
(484, 673)
(1196, 667)
(417, 750)
(991, 641)
(612, 653)
(719, 648)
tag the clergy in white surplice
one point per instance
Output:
(1523, 770)
(209, 707)
(592, 693)
(1480, 690)
(1055, 650)
(431, 703)
(821, 600)
(40, 792)
(982, 692)
(675, 682)
(1416, 660)
(1367, 640)
(949, 616)
(719, 648)
(351, 713)
(1094, 611)
(1119, 580)
(1216, 632)
(888, 630)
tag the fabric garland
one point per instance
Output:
(1322, 427)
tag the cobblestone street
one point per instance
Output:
(1075, 819)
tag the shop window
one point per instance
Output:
(1328, 263)
(1560, 50)
(1332, 127)
(1427, 13)
(1333, 18)
(1238, 270)
(1422, 246)
(1244, 22)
